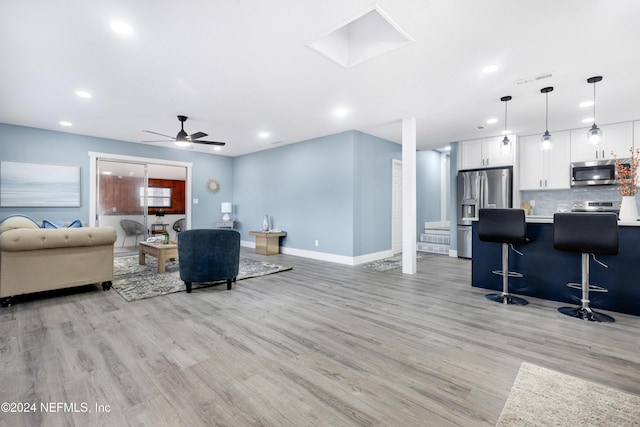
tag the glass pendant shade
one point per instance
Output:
(506, 144)
(594, 135)
(545, 143)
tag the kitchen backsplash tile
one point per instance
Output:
(546, 202)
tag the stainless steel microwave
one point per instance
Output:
(595, 172)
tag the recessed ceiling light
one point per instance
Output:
(263, 135)
(64, 123)
(341, 112)
(490, 69)
(492, 121)
(217, 148)
(121, 28)
(106, 172)
(585, 104)
(588, 120)
(83, 94)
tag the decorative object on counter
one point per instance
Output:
(226, 208)
(165, 234)
(545, 144)
(265, 223)
(526, 206)
(506, 144)
(594, 134)
(627, 174)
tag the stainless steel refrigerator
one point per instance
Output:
(477, 189)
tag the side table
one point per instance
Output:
(226, 224)
(267, 243)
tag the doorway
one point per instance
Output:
(139, 197)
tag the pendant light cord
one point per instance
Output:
(594, 102)
(546, 112)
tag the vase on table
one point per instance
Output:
(265, 223)
(628, 209)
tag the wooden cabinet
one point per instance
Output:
(617, 138)
(545, 169)
(486, 153)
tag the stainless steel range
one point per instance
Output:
(596, 206)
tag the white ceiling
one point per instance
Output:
(239, 67)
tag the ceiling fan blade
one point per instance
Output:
(197, 135)
(161, 134)
(160, 140)
(210, 143)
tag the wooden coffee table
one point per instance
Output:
(158, 250)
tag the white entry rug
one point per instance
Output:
(542, 397)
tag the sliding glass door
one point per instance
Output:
(121, 202)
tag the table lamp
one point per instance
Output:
(226, 209)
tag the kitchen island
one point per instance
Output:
(547, 270)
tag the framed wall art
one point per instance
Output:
(38, 185)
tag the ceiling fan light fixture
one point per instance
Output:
(594, 134)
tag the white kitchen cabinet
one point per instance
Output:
(545, 169)
(616, 138)
(486, 153)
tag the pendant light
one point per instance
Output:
(506, 144)
(546, 138)
(595, 133)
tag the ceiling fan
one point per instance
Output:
(184, 140)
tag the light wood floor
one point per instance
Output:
(321, 345)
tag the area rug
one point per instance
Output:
(135, 282)
(542, 397)
(389, 263)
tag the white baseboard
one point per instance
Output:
(323, 256)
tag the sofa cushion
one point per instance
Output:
(17, 221)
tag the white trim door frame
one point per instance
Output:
(93, 181)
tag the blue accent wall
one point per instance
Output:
(334, 189)
(30, 145)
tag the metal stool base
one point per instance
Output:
(506, 299)
(586, 314)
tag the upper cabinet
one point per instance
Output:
(485, 153)
(545, 169)
(616, 138)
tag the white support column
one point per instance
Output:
(409, 196)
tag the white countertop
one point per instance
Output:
(543, 219)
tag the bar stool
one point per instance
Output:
(506, 226)
(590, 234)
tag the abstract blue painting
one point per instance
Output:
(37, 185)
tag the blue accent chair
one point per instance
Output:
(208, 255)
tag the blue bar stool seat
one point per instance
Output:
(590, 234)
(506, 226)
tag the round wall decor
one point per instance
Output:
(213, 186)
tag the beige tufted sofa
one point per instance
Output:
(34, 259)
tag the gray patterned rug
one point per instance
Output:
(135, 282)
(542, 397)
(390, 263)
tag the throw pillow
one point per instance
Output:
(76, 223)
(48, 224)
